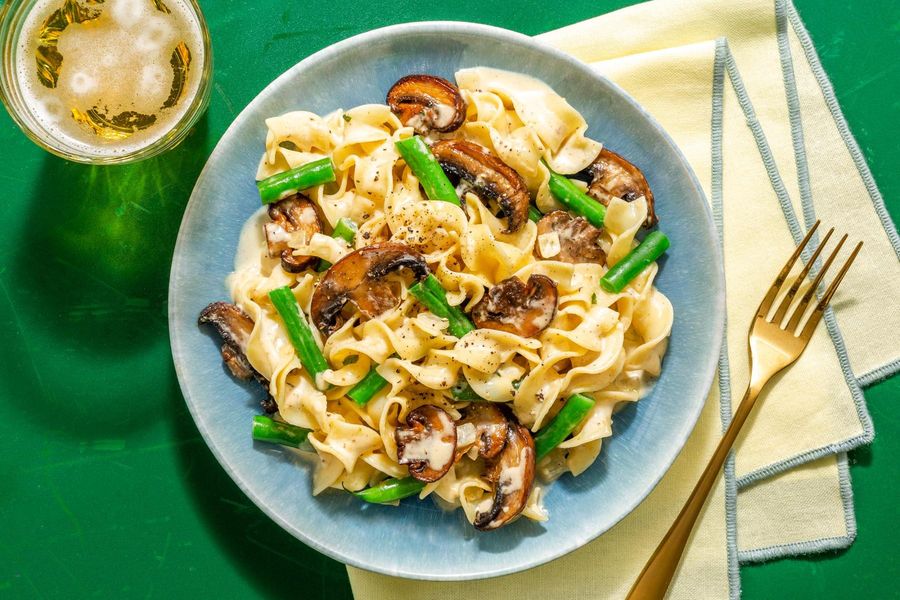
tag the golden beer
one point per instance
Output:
(105, 80)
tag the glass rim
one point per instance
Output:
(13, 14)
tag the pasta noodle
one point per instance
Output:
(604, 345)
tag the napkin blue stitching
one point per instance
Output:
(782, 13)
(818, 545)
(831, 101)
(724, 370)
(879, 373)
(794, 115)
(796, 232)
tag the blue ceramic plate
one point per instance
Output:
(418, 540)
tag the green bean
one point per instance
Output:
(552, 435)
(615, 280)
(281, 185)
(463, 391)
(571, 196)
(427, 169)
(390, 490)
(345, 230)
(534, 214)
(431, 293)
(299, 332)
(269, 430)
(367, 387)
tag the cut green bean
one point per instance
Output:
(427, 169)
(556, 431)
(266, 429)
(281, 185)
(463, 392)
(575, 200)
(299, 333)
(390, 490)
(621, 274)
(534, 214)
(345, 230)
(432, 294)
(367, 387)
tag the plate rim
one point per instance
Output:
(501, 34)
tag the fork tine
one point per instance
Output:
(789, 297)
(766, 303)
(810, 293)
(826, 298)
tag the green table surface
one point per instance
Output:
(107, 489)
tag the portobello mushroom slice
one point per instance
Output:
(579, 241)
(490, 428)
(491, 179)
(294, 213)
(613, 176)
(516, 307)
(427, 103)
(234, 327)
(359, 278)
(511, 473)
(427, 443)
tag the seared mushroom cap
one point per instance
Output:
(512, 475)
(491, 427)
(491, 178)
(427, 103)
(295, 213)
(613, 176)
(358, 278)
(234, 327)
(518, 308)
(427, 443)
(578, 239)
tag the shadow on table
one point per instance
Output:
(276, 564)
(88, 287)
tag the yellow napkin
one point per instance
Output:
(739, 88)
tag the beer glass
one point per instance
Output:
(105, 81)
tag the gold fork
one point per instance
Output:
(774, 344)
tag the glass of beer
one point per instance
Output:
(105, 81)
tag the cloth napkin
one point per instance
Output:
(739, 87)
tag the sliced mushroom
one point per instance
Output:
(427, 443)
(512, 475)
(491, 427)
(359, 278)
(427, 103)
(518, 308)
(613, 176)
(579, 241)
(293, 214)
(234, 327)
(491, 179)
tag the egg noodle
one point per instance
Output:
(606, 346)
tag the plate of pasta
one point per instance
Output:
(452, 314)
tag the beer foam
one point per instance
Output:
(117, 63)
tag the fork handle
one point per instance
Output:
(654, 580)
